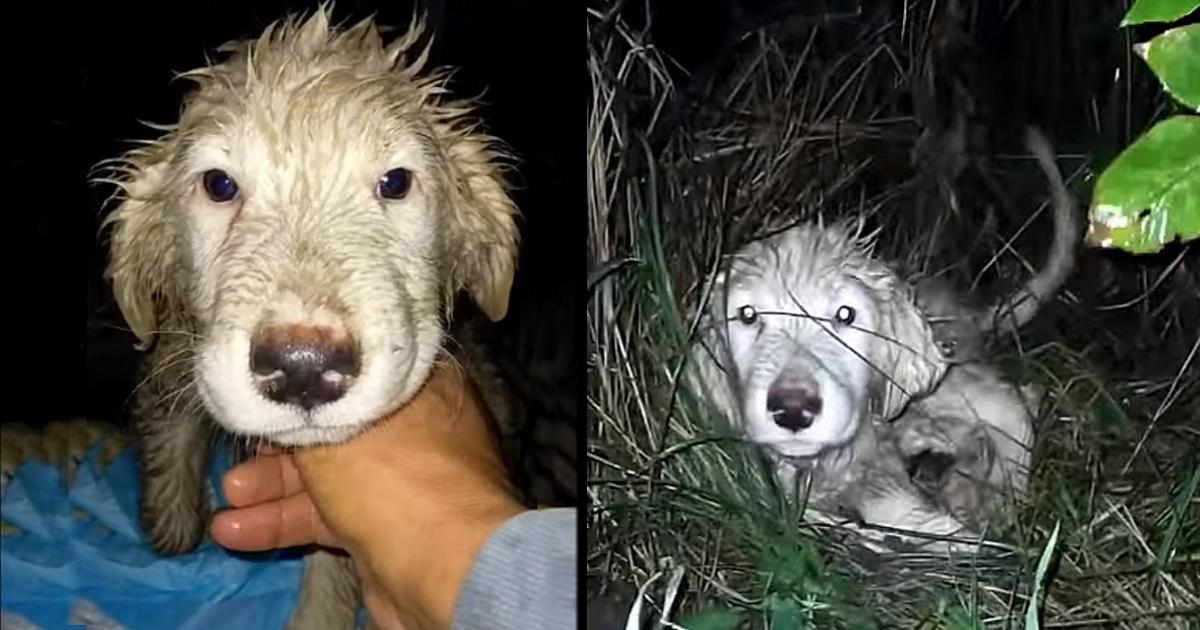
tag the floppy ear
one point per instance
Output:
(908, 354)
(483, 247)
(143, 248)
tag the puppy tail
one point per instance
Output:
(1013, 313)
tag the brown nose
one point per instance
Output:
(794, 403)
(303, 365)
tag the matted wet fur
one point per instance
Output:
(816, 350)
(820, 353)
(809, 346)
(320, 191)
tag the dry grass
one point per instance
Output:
(822, 117)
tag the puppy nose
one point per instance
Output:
(306, 366)
(793, 404)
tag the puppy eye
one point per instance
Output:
(844, 315)
(395, 183)
(219, 186)
(747, 315)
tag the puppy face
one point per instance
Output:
(810, 323)
(317, 206)
(801, 361)
(291, 232)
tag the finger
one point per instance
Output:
(288, 522)
(266, 448)
(264, 478)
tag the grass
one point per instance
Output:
(812, 120)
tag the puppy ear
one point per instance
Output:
(909, 361)
(143, 248)
(483, 245)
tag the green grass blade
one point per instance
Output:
(1182, 518)
(1032, 614)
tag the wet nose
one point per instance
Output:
(793, 403)
(306, 366)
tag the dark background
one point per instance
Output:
(1065, 66)
(79, 78)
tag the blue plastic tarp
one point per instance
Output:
(78, 557)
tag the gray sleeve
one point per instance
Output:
(525, 576)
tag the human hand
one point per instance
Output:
(412, 499)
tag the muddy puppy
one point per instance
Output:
(810, 345)
(290, 254)
(822, 355)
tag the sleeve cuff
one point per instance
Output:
(525, 576)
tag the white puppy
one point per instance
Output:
(820, 353)
(811, 344)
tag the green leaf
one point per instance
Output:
(1150, 194)
(1144, 11)
(1039, 582)
(1174, 56)
(713, 619)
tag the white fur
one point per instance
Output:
(796, 281)
(325, 200)
(306, 119)
(979, 403)
(879, 378)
